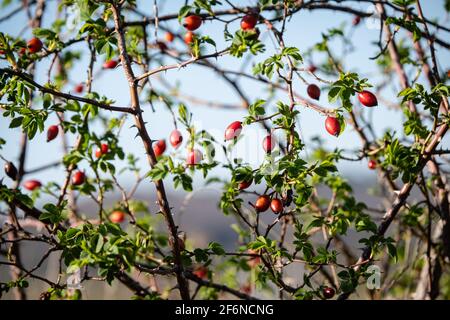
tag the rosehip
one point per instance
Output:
(248, 22)
(194, 157)
(34, 45)
(110, 64)
(189, 37)
(328, 292)
(372, 164)
(159, 147)
(233, 130)
(268, 144)
(169, 36)
(313, 91)
(312, 68)
(333, 126)
(367, 98)
(102, 150)
(201, 272)
(32, 184)
(22, 51)
(262, 203)
(79, 88)
(117, 216)
(192, 22)
(176, 138)
(11, 170)
(245, 184)
(52, 132)
(356, 20)
(276, 205)
(78, 178)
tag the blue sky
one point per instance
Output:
(303, 31)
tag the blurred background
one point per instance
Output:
(197, 212)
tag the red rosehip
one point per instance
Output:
(312, 68)
(233, 130)
(276, 205)
(367, 98)
(372, 164)
(248, 22)
(313, 91)
(159, 147)
(117, 216)
(110, 64)
(333, 126)
(176, 138)
(34, 45)
(194, 157)
(201, 272)
(52, 132)
(32, 184)
(356, 20)
(104, 148)
(78, 178)
(192, 22)
(169, 36)
(189, 37)
(2, 51)
(268, 144)
(245, 184)
(328, 292)
(79, 88)
(262, 203)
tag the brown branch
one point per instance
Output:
(147, 142)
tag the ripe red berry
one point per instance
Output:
(194, 157)
(233, 130)
(22, 51)
(262, 203)
(176, 138)
(312, 68)
(2, 51)
(372, 164)
(78, 178)
(367, 98)
(52, 132)
(192, 22)
(333, 126)
(356, 20)
(169, 36)
(248, 22)
(328, 292)
(201, 272)
(32, 184)
(313, 91)
(117, 216)
(11, 170)
(268, 144)
(159, 147)
(189, 37)
(110, 64)
(245, 184)
(276, 205)
(104, 148)
(79, 88)
(34, 45)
